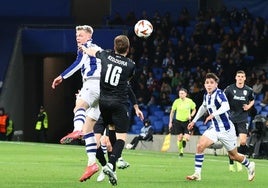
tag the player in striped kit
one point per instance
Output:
(89, 94)
(221, 129)
(86, 109)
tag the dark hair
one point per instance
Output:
(212, 76)
(183, 89)
(241, 72)
(147, 121)
(121, 44)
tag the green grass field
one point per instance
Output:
(34, 165)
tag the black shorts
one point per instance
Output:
(116, 113)
(99, 127)
(241, 127)
(179, 127)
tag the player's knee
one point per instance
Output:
(243, 142)
(200, 148)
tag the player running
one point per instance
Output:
(221, 129)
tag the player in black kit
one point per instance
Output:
(117, 70)
(241, 99)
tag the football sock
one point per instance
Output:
(91, 147)
(231, 162)
(104, 148)
(79, 119)
(112, 137)
(180, 148)
(199, 158)
(245, 162)
(100, 156)
(117, 151)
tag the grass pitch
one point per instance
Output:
(34, 165)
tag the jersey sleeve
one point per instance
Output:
(75, 66)
(132, 96)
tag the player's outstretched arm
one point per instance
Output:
(56, 81)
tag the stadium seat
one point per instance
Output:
(157, 72)
(136, 128)
(217, 47)
(258, 108)
(259, 97)
(172, 97)
(137, 120)
(153, 108)
(265, 108)
(174, 40)
(264, 113)
(158, 126)
(145, 113)
(165, 120)
(153, 118)
(159, 114)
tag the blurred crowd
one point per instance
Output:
(179, 53)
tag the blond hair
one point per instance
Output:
(86, 28)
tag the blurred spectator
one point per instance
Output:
(264, 102)
(165, 88)
(252, 79)
(257, 87)
(142, 95)
(245, 14)
(153, 101)
(164, 101)
(170, 72)
(41, 125)
(176, 81)
(131, 19)
(10, 130)
(117, 20)
(150, 81)
(4, 121)
(168, 61)
(184, 18)
(263, 76)
(235, 17)
(146, 134)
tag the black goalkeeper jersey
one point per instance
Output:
(237, 97)
(116, 71)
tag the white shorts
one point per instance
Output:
(90, 93)
(227, 138)
(93, 113)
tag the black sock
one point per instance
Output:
(231, 162)
(242, 149)
(117, 151)
(100, 156)
(112, 137)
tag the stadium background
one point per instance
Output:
(38, 42)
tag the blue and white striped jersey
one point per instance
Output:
(90, 66)
(217, 105)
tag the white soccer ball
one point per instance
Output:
(143, 28)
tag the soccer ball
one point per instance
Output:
(143, 28)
